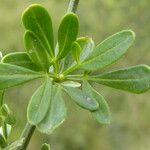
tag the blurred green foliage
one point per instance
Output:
(98, 19)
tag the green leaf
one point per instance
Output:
(39, 103)
(134, 79)
(81, 98)
(36, 50)
(109, 51)
(36, 19)
(11, 75)
(15, 145)
(20, 59)
(45, 147)
(102, 115)
(67, 34)
(87, 45)
(76, 49)
(7, 114)
(3, 142)
(71, 84)
(56, 113)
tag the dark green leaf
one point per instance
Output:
(76, 50)
(134, 79)
(67, 34)
(81, 98)
(45, 147)
(56, 113)
(11, 75)
(39, 103)
(36, 19)
(36, 50)
(102, 115)
(87, 45)
(3, 142)
(20, 59)
(109, 51)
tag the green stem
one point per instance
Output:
(26, 135)
(4, 128)
(73, 6)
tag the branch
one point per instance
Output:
(73, 6)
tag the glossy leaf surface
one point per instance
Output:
(20, 59)
(56, 112)
(36, 19)
(81, 98)
(67, 34)
(102, 115)
(76, 50)
(109, 51)
(134, 79)
(39, 103)
(11, 75)
(36, 50)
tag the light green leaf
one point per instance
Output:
(11, 75)
(87, 45)
(81, 98)
(71, 84)
(37, 20)
(20, 59)
(56, 113)
(15, 145)
(45, 147)
(67, 34)
(134, 79)
(109, 51)
(36, 50)
(39, 103)
(76, 50)
(102, 115)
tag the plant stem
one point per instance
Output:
(73, 6)
(26, 135)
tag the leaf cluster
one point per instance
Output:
(68, 67)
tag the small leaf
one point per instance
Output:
(87, 45)
(7, 114)
(56, 113)
(37, 20)
(36, 50)
(14, 145)
(102, 115)
(134, 79)
(45, 147)
(81, 98)
(109, 51)
(67, 34)
(39, 103)
(71, 84)
(76, 50)
(11, 75)
(20, 59)
(3, 142)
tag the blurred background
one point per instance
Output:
(130, 127)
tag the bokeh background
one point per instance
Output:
(130, 127)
